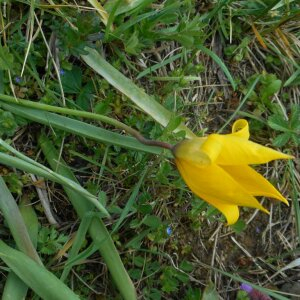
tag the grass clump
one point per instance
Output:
(73, 78)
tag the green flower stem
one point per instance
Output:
(87, 115)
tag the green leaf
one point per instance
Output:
(14, 183)
(277, 122)
(295, 117)
(16, 224)
(152, 221)
(296, 139)
(174, 122)
(184, 39)
(86, 94)
(6, 59)
(8, 123)
(15, 288)
(270, 89)
(131, 90)
(133, 46)
(30, 218)
(239, 226)
(186, 266)
(72, 80)
(282, 139)
(79, 128)
(35, 276)
(193, 294)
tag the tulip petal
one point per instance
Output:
(215, 182)
(190, 149)
(233, 150)
(230, 211)
(240, 128)
(253, 182)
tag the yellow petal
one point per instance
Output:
(253, 182)
(230, 211)
(190, 150)
(240, 128)
(233, 150)
(216, 183)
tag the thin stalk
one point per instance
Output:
(87, 115)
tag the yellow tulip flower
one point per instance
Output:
(216, 169)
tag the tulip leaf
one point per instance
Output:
(79, 128)
(34, 275)
(126, 86)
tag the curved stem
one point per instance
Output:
(88, 115)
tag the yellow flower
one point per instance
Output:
(216, 169)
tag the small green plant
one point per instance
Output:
(8, 124)
(171, 279)
(14, 182)
(242, 295)
(289, 128)
(50, 240)
(268, 85)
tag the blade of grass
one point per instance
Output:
(78, 241)
(219, 5)
(97, 229)
(218, 61)
(130, 202)
(131, 90)
(292, 78)
(79, 128)
(249, 92)
(268, 7)
(109, 25)
(158, 66)
(43, 282)
(132, 21)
